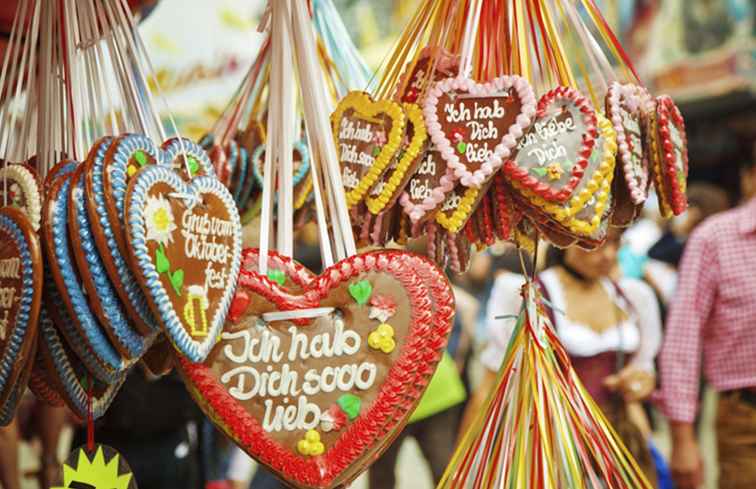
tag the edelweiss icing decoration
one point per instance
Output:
(368, 135)
(19, 188)
(671, 170)
(313, 400)
(476, 126)
(552, 156)
(20, 298)
(623, 107)
(185, 242)
(392, 182)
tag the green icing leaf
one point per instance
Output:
(361, 291)
(277, 276)
(541, 172)
(161, 261)
(567, 165)
(193, 166)
(350, 404)
(376, 151)
(461, 147)
(140, 157)
(177, 280)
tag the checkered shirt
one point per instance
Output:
(713, 315)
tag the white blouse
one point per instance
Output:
(640, 334)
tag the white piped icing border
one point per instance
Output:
(503, 150)
(28, 183)
(632, 97)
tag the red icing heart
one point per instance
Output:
(422, 320)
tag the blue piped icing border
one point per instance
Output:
(126, 147)
(238, 185)
(304, 168)
(173, 148)
(195, 351)
(104, 293)
(95, 336)
(69, 378)
(21, 324)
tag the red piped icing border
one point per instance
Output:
(401, 389)
(514, 171)
(502, 207)
(667, 112)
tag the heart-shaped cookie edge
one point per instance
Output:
(668, 113)
(156, 294)
(506, 146)
(364, 104)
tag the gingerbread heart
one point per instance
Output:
(109, 166)
(581, 215)
(346, 397)
(624, 109)
(249, 139)
(670, 155)
(20, 188)
(552, 157)
(433, 64)
(101, 293)
(301, 180)
(20, 299)
(63, 288)
(476, 126)
(368, 136)
(427, 188)
(68, 376)
(185, 243)
(390, 185)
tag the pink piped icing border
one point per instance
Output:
(437, 196)
(504, 149)
(633, 97)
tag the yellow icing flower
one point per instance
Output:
(555, 171)
(382, 338)
(131, 170)
(311, 445)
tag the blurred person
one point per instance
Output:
(10, 477)
(600, 323)
(713, 317)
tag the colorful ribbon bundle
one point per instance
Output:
(237, 141)
(479, 130)
(540, 427)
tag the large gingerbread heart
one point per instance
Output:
(350, 377)
(476, 126)
(670, 153)
(20, 188)
(552, 157)
(20, 295)
(368, 136)
(185, 243)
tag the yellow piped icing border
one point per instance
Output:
(414, 115)
(306, 189)
(364, 105)
(664, 208)
(599, 186)
(458, 218)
